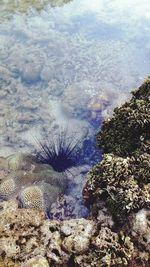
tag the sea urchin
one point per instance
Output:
(61, 153)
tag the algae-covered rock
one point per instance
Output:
(128, 130)
(122, 178)
(121, 183)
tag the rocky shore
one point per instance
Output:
(117, 231)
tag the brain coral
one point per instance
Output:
(7, 188)
(40, 195)
(32, 197)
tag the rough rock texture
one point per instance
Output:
(28, 238)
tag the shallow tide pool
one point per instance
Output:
(66, 65)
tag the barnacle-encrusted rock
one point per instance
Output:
(11, 215)
(5, 262)
(128, 129)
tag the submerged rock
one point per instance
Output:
(31, 72)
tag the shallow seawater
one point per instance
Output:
(67, 64)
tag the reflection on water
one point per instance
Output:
(67, 66)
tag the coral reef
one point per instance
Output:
(117, 230)
(34, 185)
